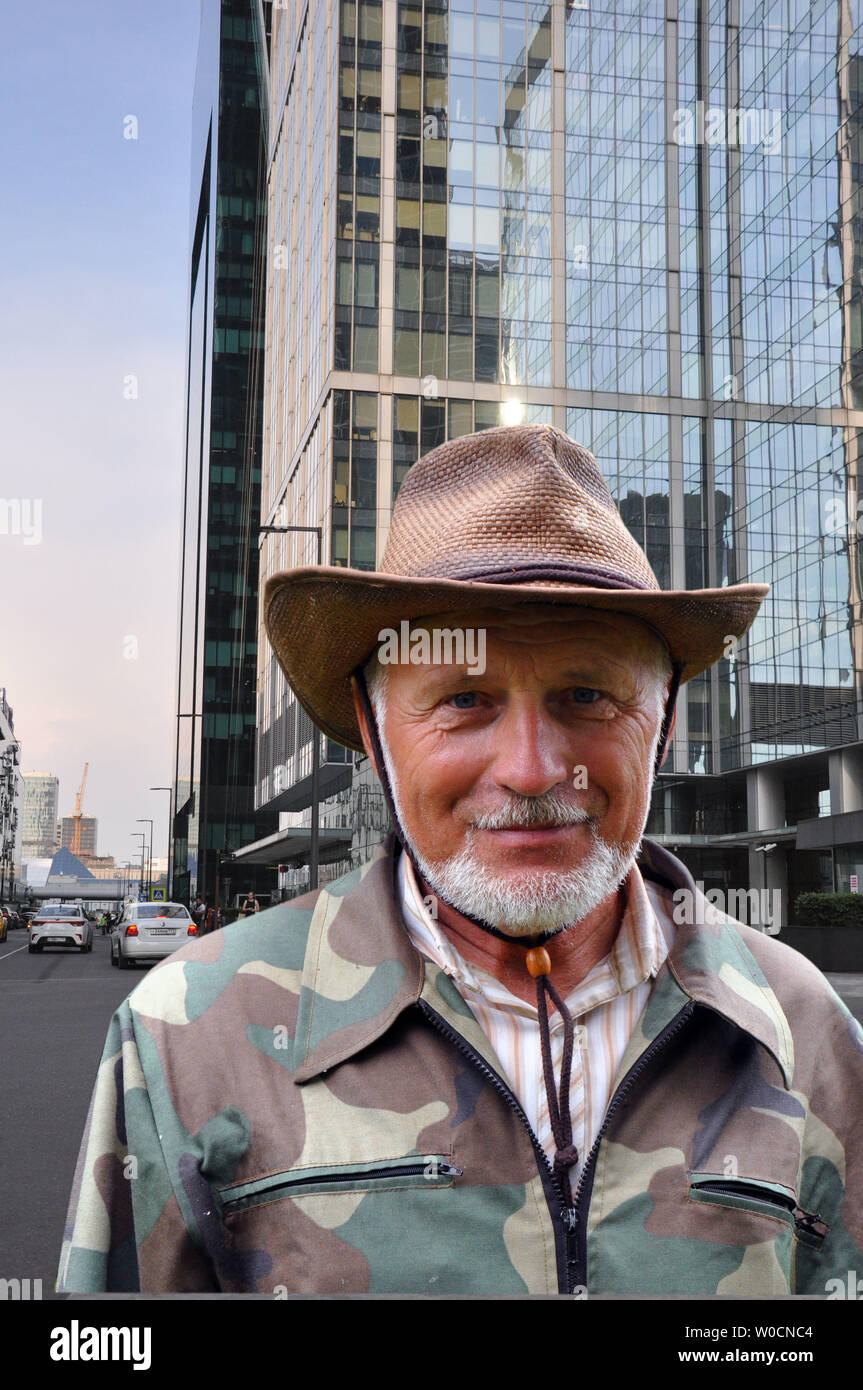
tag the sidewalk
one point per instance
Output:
(849, 987)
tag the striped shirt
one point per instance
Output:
(606, 1005)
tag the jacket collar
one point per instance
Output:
(361, 971)
(711, 963)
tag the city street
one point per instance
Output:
(54, 1013)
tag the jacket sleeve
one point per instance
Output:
(831, 1175)
(124, 1230)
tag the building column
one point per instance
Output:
(765, 797)
(846, 780)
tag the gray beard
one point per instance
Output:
(539, 900)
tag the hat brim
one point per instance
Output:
(323, 621)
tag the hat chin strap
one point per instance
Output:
(670, 702)
(383, 776)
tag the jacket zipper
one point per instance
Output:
(585, 1182)
(409, 1170)
(806, 1222)
(747, 1189)
(574, 1232)
(566, 1215)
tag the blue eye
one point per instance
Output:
(583, 695)
(464, 699)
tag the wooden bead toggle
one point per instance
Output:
(538, 961)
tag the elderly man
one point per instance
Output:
(496, 1059)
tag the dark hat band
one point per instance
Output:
(589, 575)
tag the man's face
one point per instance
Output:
(561, 726)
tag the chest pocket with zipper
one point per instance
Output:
(761, 1198)
(413, 1224)
(389, 1174)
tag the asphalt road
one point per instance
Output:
(54, 1012)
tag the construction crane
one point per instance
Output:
(79, 801)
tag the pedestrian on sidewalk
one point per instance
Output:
(199, 913)
(249, 905)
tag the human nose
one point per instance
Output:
(530, 757)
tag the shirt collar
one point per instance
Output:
(636, 956)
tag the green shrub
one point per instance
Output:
(829, 909)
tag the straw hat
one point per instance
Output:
(508, 516)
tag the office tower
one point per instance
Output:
(637, 222)
(39, 815)
(213, 801)
(89, 827)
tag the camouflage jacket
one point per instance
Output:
(303, 1104)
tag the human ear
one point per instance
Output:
(359, 707)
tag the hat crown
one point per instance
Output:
(521, 501)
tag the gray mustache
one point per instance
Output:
(531, 813)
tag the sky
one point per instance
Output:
(93, 269)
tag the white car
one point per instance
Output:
(150, 931)
(61, 924)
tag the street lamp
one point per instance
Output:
(128, 868)
(170, 791)
(143, 838)
(145, 820)
(316, 737)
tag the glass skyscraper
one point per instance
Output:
(39, 815)
(214, 803)
(636, 221)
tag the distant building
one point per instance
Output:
(100, 866)
(35, 871)
(87, 844)
(10, 800)
(67, 864)
(39, 821)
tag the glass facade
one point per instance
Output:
(216, 707)
(639, 222)
(39, 815)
